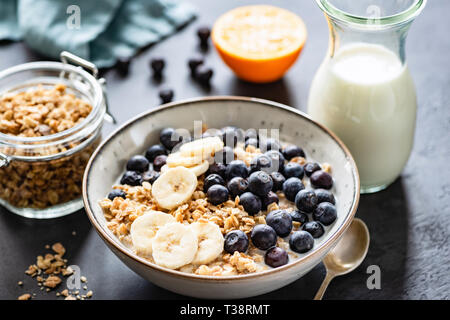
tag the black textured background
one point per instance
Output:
(409, 222)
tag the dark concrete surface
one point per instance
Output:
(409, 222)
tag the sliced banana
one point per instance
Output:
(164, 168)
(176, 159)
(144, 229)
(174, 245)
(205, 147)
(174, 187)
(201, 168)
(210, 241)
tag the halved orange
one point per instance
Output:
(259, 43)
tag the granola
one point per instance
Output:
(37, 113)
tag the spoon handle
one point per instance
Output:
(323, 286)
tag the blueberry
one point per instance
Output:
(270, 198)
(237, 186)
(236, 168)
(270, 144)
(321, 179)
(123, 66)
(159, 162)
(261, 162)
(166, 95)
(280, 221)
(293, 151)
(250, 202)
(263, 236)
(278, 180)
(193, 64)
(217, 194)
(150, 176)
(203, 74)
(293, 169)
(137, 163)
(277, 160)
(306, 200)
(211, 180)
(251, 134)
(291, 187)
(203, 34)
(218, 168)
(325, 213)
(154, 151)
(311, 167)
(299, 216)
(324, 196)
(170, 138)
(276, 257)
(131, 178)
(260, 183)
(236, 240)
(157, 65)
(116, 193)
(231, 136)
(301, 241)
(226, 155)
(314, 228)
(251, 142)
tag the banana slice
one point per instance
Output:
(176, 159)
(164, 168)
(205, 147)
(201, 168)
(210, 241)
(144, 229)
(174, 245)
(174, 187)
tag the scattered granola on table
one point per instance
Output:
(214, 210)
(49, 272)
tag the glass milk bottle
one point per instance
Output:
(363, 90)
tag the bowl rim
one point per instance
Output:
(324, 246)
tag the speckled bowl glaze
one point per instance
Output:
(108, 162)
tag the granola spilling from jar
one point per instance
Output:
(37, 113)
(221, 206)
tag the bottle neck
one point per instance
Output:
(343, 35)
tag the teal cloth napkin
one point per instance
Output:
(100, 31)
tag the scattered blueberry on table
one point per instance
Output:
(166, 95)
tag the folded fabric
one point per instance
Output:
(101, 31)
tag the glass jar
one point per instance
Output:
(41, 177)
(363, 90)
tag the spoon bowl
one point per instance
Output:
(347, 255)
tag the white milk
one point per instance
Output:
(367, 97)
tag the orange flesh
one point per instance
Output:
(259, 42)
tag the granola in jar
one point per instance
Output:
(44, 173)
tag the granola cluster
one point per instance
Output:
(37, 113)
(49, 272)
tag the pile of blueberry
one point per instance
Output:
(146, 168)
(256, 187)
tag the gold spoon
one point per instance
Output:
(347, 255)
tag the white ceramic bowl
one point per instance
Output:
(108, 163)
